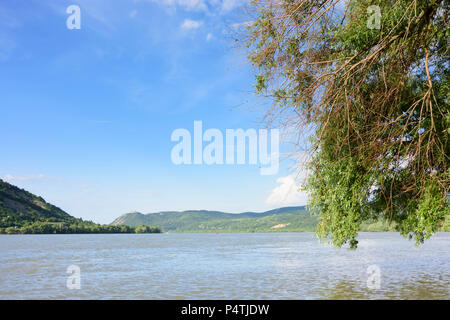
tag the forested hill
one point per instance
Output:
(294, 219)
(24, 212)
(282, 219)
(18, 206)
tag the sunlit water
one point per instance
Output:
(222, 266)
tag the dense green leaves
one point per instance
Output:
(43, 227)
(283, 219)
(375, 99)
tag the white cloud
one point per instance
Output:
(229, 5)
(239, 25)
(193, 5)
(188, 5)
(287, 193)
(216, 6)
(209, 36)
(11, 178)
(191, 24)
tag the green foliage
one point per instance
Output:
(426, 214)
(42, 227)
(375, 100)
(288, 219)
(339, 195)
(146, 229)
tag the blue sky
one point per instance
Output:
(87, 115)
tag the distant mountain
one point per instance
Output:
(282, 219)
(24, 212)
(297, 219)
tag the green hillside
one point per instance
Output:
(24, 212)
(283, 219)
(294, 219)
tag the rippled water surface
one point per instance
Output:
(222, 266)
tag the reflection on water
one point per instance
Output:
(223, 266)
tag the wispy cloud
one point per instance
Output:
(241, 24)
(210, 6)
(229, 5)
(194, 5)
(187, 5)
(189, 24)
(12, 178)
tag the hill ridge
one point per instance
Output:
(215, 211)
(292, 218)
(23, 212)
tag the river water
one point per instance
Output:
(222, 266)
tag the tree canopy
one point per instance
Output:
(370, 81)
(22, 212)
